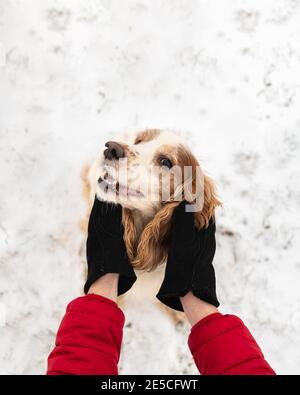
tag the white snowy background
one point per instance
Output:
(224, 73)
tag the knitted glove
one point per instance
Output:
(105, 247)
(189, 265)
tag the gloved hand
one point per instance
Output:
(105, 247)
(189, 265)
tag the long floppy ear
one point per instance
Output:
(152, 249)
(200, 189)
(211, 202)
(130, 234)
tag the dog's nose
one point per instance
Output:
(114, 150)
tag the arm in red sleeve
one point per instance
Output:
(89, 338)
(222, 344)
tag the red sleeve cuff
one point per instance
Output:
(222, 344)
(210, 327)
(89, 338)
(99, 306)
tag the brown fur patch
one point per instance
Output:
(146, 135)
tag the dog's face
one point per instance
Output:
(144, 170)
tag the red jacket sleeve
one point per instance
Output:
(221, 344)
(89, 338)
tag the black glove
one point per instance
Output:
(105, 247)
(189, 265)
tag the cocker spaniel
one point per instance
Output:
(149, 173)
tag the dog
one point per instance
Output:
(145, 172)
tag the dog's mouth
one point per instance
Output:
(108, 184)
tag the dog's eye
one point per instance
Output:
(166, 162)
(137, 141)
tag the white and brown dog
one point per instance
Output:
(149, 173)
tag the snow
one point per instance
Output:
(223, 73)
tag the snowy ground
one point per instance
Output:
(226, 73)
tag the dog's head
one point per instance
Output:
(150, 172)
(132, 169)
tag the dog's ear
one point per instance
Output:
(210, 202)
(199, 189)
(130, 236)
(152, 249)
